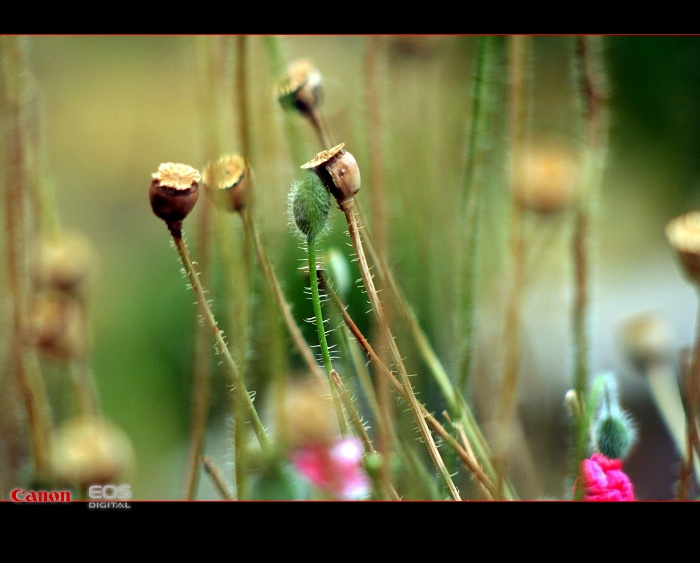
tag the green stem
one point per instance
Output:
(470, 211)
(321, 331)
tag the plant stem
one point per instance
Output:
(508, 390)
(468, 458)
(221, 348)
(321, 329)
(269, 273)
(13, 160)
(471, 211)
(347, 208)
(594, 95)
(215, 474)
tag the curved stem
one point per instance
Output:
(216, 333)
(347, 208)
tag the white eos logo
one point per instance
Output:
(110, 492)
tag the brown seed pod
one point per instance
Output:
(174, 192)
(338, 171)
(226, 182)
(300, 87)
(683, 233)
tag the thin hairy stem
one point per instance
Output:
(217, 335)
(347, 208)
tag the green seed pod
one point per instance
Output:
(310, 204)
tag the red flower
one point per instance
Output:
(604, 480)
(335, 468)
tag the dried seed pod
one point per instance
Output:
(91, 450)
(546, 178)
(338, 171)
(300, 88)
(64, 263)
(174, 192)
(646, 340)
(57, 326)
(226, 182)
(683, 233)
(306, 415)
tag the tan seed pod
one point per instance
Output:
(174, 192)
(65, 263)
(646, 340)
(226, 182)
(306, 416)
(683, 233)
(300, 88)
(57, 326)
(91, 450)
(546, 178)
(338, 171)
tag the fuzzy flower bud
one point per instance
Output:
(300, 88)
(226, 181)
(614, 432)
(338, 171)
(310, 205)
(174, 192)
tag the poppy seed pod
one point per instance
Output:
(546, 178)
(65, 263)
(300, 87)
(174, 192)
(226, 182)
(88, 451)
(683, 233)
(338, 171)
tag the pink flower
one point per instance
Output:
(335, 468)
(604, 480)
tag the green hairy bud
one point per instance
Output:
(310, 204)
(614, 432)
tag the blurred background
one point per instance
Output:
(115, 107)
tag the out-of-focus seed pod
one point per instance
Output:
(300, 88)
(646, 341)
(90, 450)
(65, 263)
(57, 326)
(683, 233)
(338, 171)
(226, 181)
(306, 415)
(546, 178)
(174, 192)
